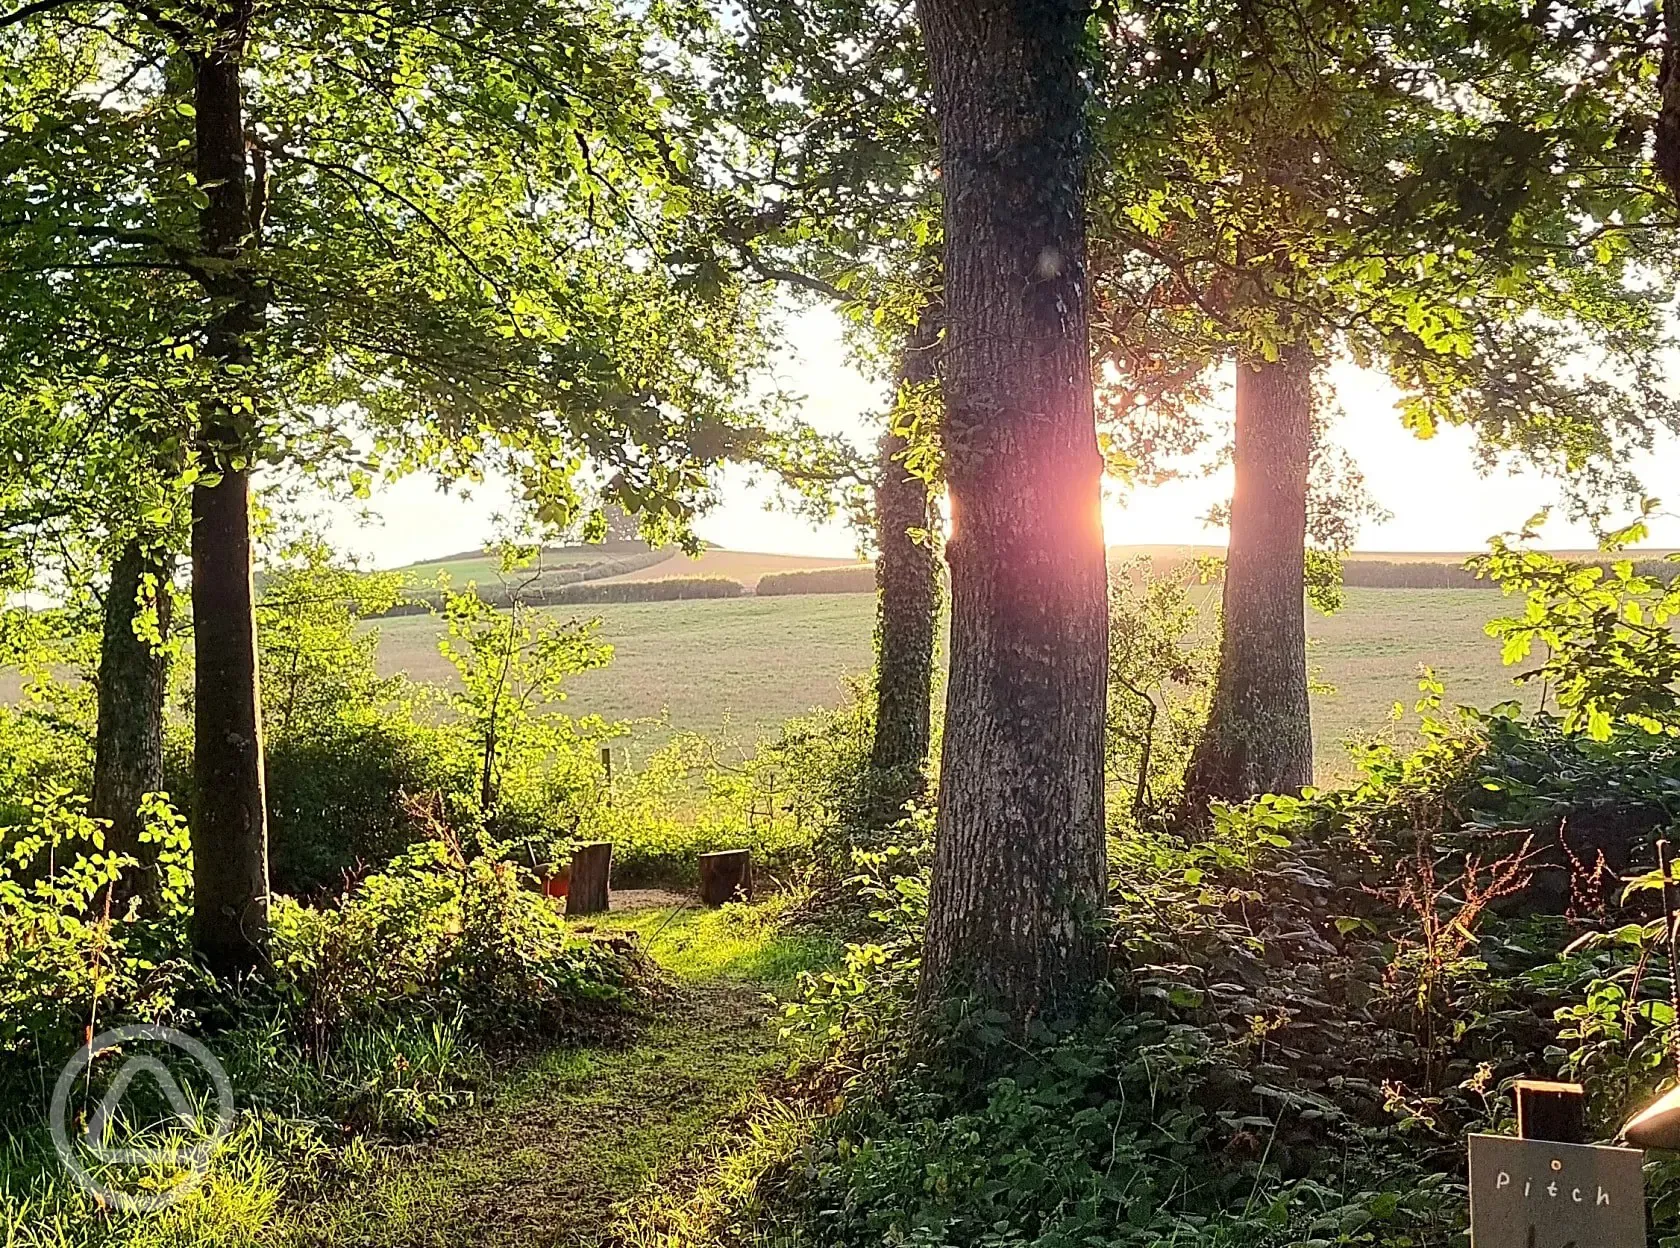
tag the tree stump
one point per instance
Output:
(1551, 1111)
(590, 878)
(726, 876)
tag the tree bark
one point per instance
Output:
(591, 882)
(128, 739)
(1019, 869)
(1258, 737)
(907, 610)
(726, 876)
(1667, 149)
(230, 824)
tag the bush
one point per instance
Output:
(684, 802)
(71, 950)
(850, 580)
(1307, 1010)
(440, 936)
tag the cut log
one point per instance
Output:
(726, 876)
(590, 878)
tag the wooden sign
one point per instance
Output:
(1542, 1194)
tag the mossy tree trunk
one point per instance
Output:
(1258, 737)
(133, 678)
(230, 820)
(1019, 868)
(907, 611)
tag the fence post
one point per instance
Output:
(1551, 1111)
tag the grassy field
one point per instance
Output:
(741, 666)
(738, 666)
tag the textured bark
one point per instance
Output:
(128, 740)
(591, 883)
(907, 609)
(1258, 737)
(1019, 865)
(230, 821)
(726, 876)
(1667, 153)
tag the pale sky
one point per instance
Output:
(1438, 500)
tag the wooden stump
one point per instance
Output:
(591, 875)
(726, 876)
(1551, 1111)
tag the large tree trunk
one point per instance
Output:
(1019, 869)
(907, 610)
(128, 739)
(230, 823)
(1667, 151)
(1258, 737)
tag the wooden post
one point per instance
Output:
(606, 761)
(726, 876)
(1551, 1111)
(591, 876)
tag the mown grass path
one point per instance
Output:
(579, 1133)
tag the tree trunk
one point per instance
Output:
(230, 824)
(128, 739)
(1667, 151)
(1258, 737)
(907, 610)
(1019, 867)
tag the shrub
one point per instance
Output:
(685, 801)
(849, 580)
(1161, 668)
(71, 951)
(440, 936)
(1307, 1010)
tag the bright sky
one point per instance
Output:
(1438, 500)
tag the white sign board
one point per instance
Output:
(1538, 1194)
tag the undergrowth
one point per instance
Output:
(1307, 1010)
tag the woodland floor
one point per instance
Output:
(567, 1144)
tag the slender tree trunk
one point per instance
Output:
(128, 740)
(1258, 737)
(230, 825)
(907, 610)
(1019, 869)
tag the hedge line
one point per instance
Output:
(1427, 574)
(853, 580)
(665, 590)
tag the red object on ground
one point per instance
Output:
(558, 885)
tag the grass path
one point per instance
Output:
(580, 1132)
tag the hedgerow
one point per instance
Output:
(850, 580)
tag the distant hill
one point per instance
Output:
(554, 565)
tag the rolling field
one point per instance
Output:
(741, 666)
(603, 563)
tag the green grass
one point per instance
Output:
(572, 1141)
(731, 667)
(567, 1146)
(740, 667)
(736, 943)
